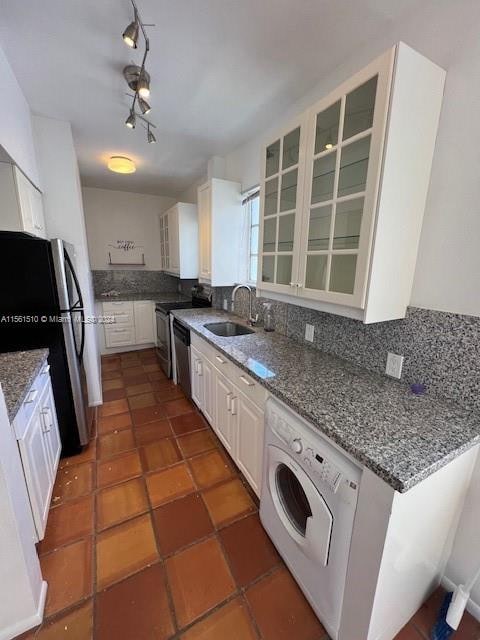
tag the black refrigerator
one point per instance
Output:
(41, 305)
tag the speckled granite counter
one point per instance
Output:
(401, 437)
(18, 370)
(156, 296)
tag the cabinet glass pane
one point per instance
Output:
(272, 159)
(286, 228)
(291, 146)
(342, 273)
(284, 269)
(354, 167)
(323, 177)
(316, 272)
(319, 228)
(288, 194)
(359, 108)
(268, 268)
(271, 196)
(269, 234)
(326, 135)
(348, 220)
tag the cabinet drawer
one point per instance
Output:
(118, 307)
(124, 319)
(31, 401)
(249, 387)
(119, 337)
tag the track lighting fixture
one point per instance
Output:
(150, 137)
(130, 35)
(137, 77)
(144, 106)
(131, 120)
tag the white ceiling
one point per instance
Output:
(221, 70)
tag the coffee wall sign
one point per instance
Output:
(125, 252)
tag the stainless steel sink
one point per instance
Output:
(227, 329)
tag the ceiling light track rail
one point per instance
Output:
(137, 77)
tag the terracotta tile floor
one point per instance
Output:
(153, 533)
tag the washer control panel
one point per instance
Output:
(311, 457)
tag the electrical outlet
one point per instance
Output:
(309, 331)
(394, 365)
(225, 304)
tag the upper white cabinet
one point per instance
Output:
(343, 191)
(179, 240)
(22, 206)
(220, 223)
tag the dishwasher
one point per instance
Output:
(181, 336)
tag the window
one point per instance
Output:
(252, 209)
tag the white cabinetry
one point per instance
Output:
(343, 191)
(220, 226)
(133, 323)
(22, 206)
(233, 404)
(36, 429)
(179, 240)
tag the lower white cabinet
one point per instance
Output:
(134, 323)
(233, 403)
(36, 429)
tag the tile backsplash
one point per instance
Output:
(132, 281)
(442, 350)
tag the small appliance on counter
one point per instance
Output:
(201, 297)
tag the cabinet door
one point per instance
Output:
(346, 134)
(205, 231)
(224, 421)
(197, 384)
(144, 327)
(162, 243)
(24, 199)
(50, 428)
(174, 240)
(249, 445)
(209, 391)
(36, 208)
(38, 470)
(166, 242)
(281, 201)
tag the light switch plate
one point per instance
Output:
(394, 365)
(309, 332)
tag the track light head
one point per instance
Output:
(130, 122)
(150, 137)
(130, 35)
(143, 84)
(144, 106)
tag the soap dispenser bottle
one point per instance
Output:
(268, 319)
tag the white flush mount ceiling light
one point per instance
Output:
(137, 77)
(121, 164)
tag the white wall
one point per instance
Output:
(15, 123)
(448, 264)
(112, 215)
(64, 217)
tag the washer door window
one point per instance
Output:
(300, 506)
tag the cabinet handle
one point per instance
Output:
(229, 401)
(31, 396)
(234, 407)
(46, 369)
(44, 413)
(221, 360)
(247, 382)
(200, 368)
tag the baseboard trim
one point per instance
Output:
(472, 606)
(29, 623)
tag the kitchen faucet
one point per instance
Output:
(251, 319)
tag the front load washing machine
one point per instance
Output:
(307, 506)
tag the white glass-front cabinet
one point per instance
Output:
(343, 191)
(179, 240)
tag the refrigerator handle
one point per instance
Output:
(74, 276)
(82, 343)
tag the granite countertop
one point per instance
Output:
(401, 437)
(18, 370)
(156, 296)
